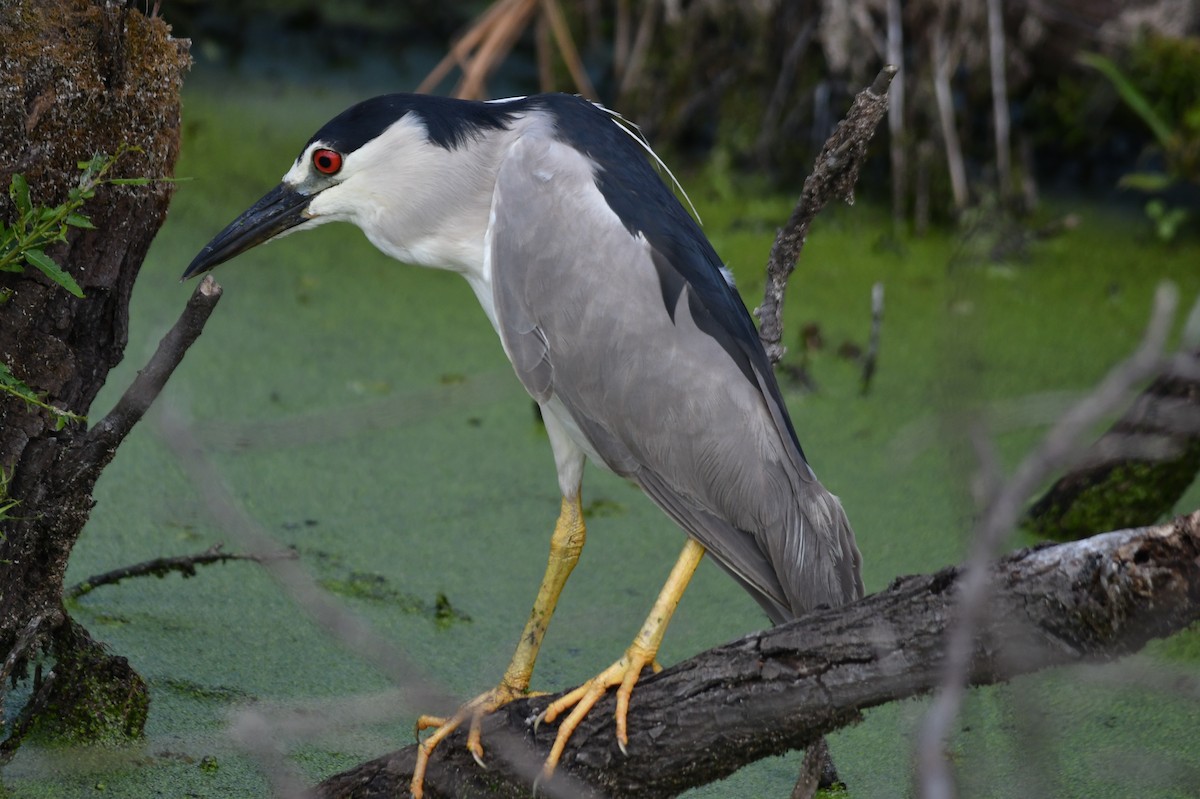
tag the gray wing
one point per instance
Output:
(584, 319)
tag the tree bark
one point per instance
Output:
(833, 177)
(1119, 487)
(786, 687)
(79, 78)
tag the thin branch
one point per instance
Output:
(30, 712)
(811, 768)
(872, 354)
(25, 640)
(161, 567)
(566, 48)
(1055, 452)
(833, 176)
(97, 448)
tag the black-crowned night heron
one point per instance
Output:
(619, 320)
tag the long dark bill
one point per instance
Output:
(279, 210)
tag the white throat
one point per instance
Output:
(421, 203)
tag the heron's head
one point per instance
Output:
(396, 166)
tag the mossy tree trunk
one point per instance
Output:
(77, 78)
(1116, 487)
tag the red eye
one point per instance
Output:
(327, 162)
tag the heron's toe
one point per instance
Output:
(624, 674)
(472, 712)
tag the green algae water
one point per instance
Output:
(363, 414)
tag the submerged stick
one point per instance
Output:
(872, 354)
(161, 567)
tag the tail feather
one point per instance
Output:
(817, 558)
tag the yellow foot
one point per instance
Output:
(623, 673)
(474, 710)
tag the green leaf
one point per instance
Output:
(1146, 181)
(79, 220)
(93, 167)
(18, 190)
(11, 384)
(7, 378)
(1191, 118)
(131, 181)
(53, 271)
(1132, 96)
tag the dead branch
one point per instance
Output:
(872, 354)
(27, 639)
(161, 567)
(97, 448)
(833, 177)
(784, 688)
(487, 42)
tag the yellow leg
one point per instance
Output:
(565, 545)
(624, 672)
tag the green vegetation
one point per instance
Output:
(1162, 87)
(90, 697)
(33, 228)
(24, 240)
(375, 588)
(7, 503)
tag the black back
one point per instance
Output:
(629, 184)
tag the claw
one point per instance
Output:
(624, 674)
(474, 710)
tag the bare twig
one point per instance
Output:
(1060, 445)
(872, 353)
(789, 71)
(24, 721)
(833, 176)
(641, 47)
(811, 768)
(101, 442)
(25, 639)
(161, 567)
(566, 47)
